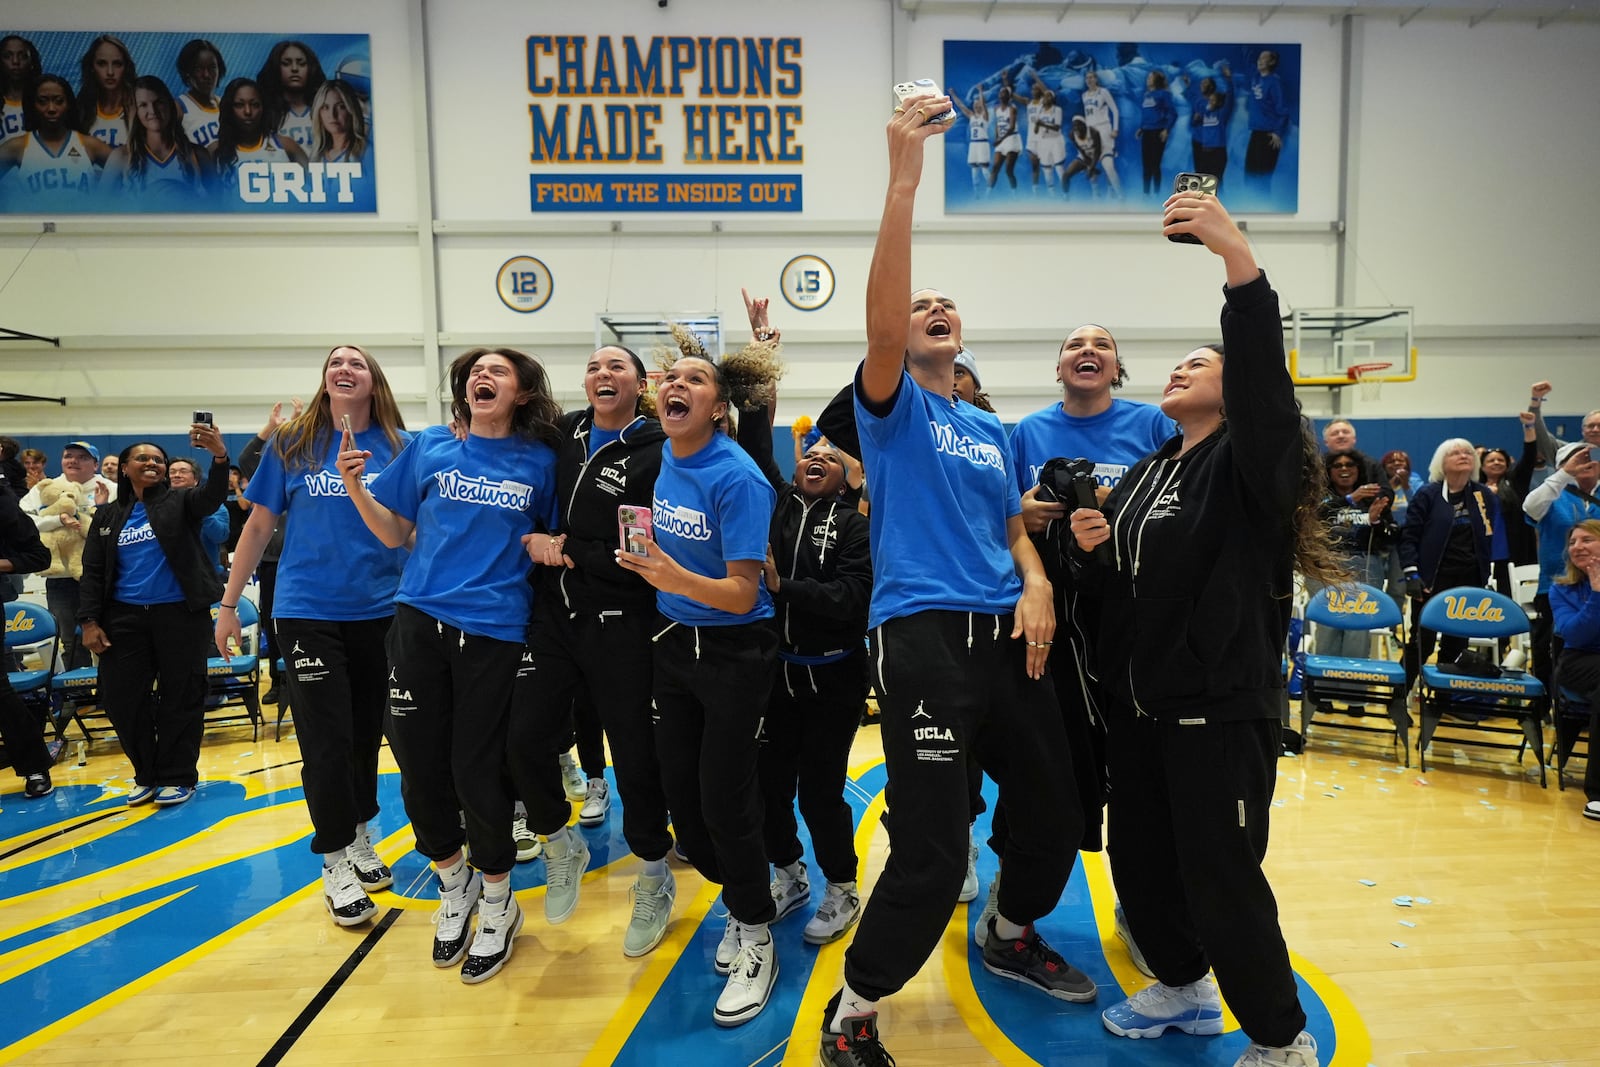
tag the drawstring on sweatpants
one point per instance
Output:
(969, 631)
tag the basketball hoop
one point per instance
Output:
(1366, 376)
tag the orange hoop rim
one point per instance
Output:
(1357, 371)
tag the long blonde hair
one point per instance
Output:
(1574, 576)
(303, 440)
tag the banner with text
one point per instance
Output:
(185, 123)
(664, 123)
(1093, 126)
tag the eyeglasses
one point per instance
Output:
(1345, 467)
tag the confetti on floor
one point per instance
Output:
(1368, 882)
(1402, 902)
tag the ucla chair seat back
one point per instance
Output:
(29, 626)
(235, 682)
(1479, 696)
(1355, 682)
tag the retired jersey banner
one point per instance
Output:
(654, 123)
(185, 123)
(1085, 126)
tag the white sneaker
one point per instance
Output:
(564, 865)
(1303, 1053)
(1126, 936)
(528, 844)
(838, 912)
(596, 802)
(1591, 810)
(369, 868)
(991, 908)
(728, 947)
(572, 779)
(750, 981)
(347, 903)
(1195, 1009)
(790, 890)
(969, 884)
(653, 898)
(454, 917)
(498, 927)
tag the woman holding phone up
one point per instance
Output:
(461, 616)
(714, 659)
(1205, 535)
(332, 644)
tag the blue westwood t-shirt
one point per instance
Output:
(331, 566)
(143, 576)
(471, 502)
(711, 509)
(1115, 440)
(941, 495)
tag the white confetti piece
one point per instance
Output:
(1423, 900)
(1368, 881)
(1402, 902)
(1398, 944)
(1411, 925)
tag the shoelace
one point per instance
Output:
(559, 872)
(345, 881)
(363, 855)
(449, 903)
(645, 905)
(742, 970)
(871, 1053)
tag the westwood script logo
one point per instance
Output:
(978, 453)
(687, 523)
(327, 483)
(513, 496)
(1342, 603)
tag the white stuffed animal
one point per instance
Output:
(59, 496)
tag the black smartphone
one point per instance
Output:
(1192, 183)
(924, 87)
(202, 417)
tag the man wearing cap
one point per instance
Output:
(80, 462)
(1556, 505)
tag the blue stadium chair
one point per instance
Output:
(1357, 684)
(31, 627)
(236, 682)
(1477, 699)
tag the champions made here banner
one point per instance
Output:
(664, 124)
(1059, 127)
(186, 123)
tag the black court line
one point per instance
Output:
(326, 994)
(58, 833)
(274, 766)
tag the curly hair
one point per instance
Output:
(746, 378)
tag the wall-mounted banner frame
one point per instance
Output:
(524, 284)
(806, 282)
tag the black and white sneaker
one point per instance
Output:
(370, 869)
(347, 903)
(790, 889)
(498, 927)
(1029, 960)
(38, 785)
(453, 921)
(750, 981)
(857, 1045)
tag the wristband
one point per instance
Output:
(230, 607)
(1536, 400)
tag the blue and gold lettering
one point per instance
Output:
(644, 71)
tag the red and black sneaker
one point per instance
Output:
(1029, 960)
(858, 1045)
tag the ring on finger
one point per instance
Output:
(899, 111)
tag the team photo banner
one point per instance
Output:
(625, 123)
(1059, 127)
(185, 123)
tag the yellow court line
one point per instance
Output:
(803, 1038)
(644, 990)
(60, 838)
(44, 1036)
(24, 959)
(1353, 1042)
(958, 979)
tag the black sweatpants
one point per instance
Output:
(1188, 831)
(605, 660)
(1580, 672)
(805, 755)
(21, 730)
(711, 690)
(1420, 644)
(953, 687)
(338, 679)
(1151, 148)
(449, 699)
(588, 733)
(153, 687)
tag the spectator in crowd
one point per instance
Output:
(1556, 505)
(12, 472)
(33, 462)
(183, 474)
(21, 552)
(1575, 604)
(80, 462)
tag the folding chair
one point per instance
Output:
(1356, 683)
(236, 682)
(31, 629)
(1446, 689)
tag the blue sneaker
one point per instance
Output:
(1195, 1009)
(141, 794)
(170, 796)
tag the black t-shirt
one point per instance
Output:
(1460, 552)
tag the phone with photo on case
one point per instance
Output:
(924, 87)
(1192, 183)
(634, 529)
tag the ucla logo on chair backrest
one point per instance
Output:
(1461, 607)
(1344, 603)
(19, 623)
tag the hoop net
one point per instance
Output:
(1366, 375)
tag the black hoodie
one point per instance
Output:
(590, 489)
(1196, 603)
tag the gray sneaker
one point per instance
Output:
(564, 864)
(653, 898)
(572, 779)
(596, 802)
(838, 912)
(969, 884)
(788, 891)
(991, 908)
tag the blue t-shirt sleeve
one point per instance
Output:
(746, 511)
(1016, 460)
(880, 425)
(268, 488)
(397, 487)
(1013, 495)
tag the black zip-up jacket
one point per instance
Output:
(19, 537)
(824, 568)
(175, 518)
(591, 488)
(1196, 603)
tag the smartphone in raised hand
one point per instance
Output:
(924, 87)
(1192, 183)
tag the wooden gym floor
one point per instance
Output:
(197, 935)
